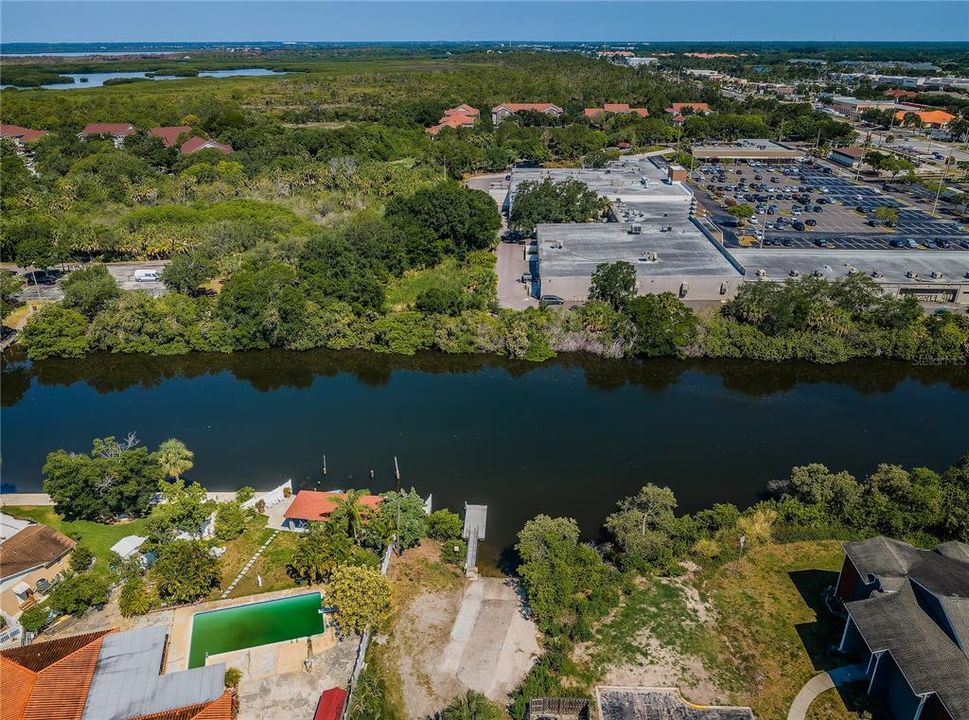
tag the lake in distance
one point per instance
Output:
(568, 437)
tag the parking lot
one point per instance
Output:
(804, 205)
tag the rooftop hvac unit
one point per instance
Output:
(649, 257)
(684, 289)
(911, 274)
(851, 270)
(795, 273)
(818, 273)
(636, 229)
(761, 272)
(723, 288)
(556, 246)
(936, 275)
(875, 274)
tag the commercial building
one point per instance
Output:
(852, 106)
(751, 149)
(502, 112)
(650, 225)
(928, 117)
(848, 156)
(108, 675)
(31, 560)
(908, 619)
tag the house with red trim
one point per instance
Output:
(462, 116)
(908, 622)
(20, 135)
(170, 134)
(194, 144)
(108, 675)
(695, 108)
(315, 506)
(614, 108)
(506, 110)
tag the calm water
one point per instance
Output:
(98, 79)
(247, 626)
(569, 437)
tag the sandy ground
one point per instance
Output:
(447, 641)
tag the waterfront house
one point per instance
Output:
(30, 562)
(908, 620)
(506, 110)
(462, 116)
(108, 675)
(314, 506)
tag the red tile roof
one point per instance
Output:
(195, 144)
(170, 134)
(621, 108)
(678, 108)
(49, 680)
(315, 506)
(464, 109)
(34, 546)
(116, 129)
(330, 706)
(21, 133)
(899, 93)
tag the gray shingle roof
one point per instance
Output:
(941, 570)
(926, 655)
(128, 680)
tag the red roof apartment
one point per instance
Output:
(616, 108)
(456, 117)
(506, 110)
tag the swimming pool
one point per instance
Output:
(261, 623)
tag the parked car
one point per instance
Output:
(551, 300)
(811, 222)
(147, 275)
(797, 225)
(822, 243)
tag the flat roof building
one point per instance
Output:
(749, 149)
(651, 227)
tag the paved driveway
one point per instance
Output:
(512, 293)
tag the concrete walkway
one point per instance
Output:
(820, 683)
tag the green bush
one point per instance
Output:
(444, 525)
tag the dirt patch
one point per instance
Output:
(451, 636)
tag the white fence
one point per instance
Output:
(270, 497)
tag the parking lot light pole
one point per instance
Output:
(938, 192)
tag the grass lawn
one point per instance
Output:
(271, 565)
(774, 626)
(402, 292)
(96, 537)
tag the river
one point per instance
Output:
(568, 437)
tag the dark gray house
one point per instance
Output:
(908, 619)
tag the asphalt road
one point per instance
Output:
(48, 286)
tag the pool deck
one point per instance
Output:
(180, 637)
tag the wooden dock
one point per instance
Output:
(475, 522)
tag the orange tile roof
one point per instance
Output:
(196, 143)
(929, 117)
(615, 108)
(122, 129)
(49, 680)
(314, 505)
(218, 709)
(465, 109)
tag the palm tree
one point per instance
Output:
(471, 706)
(349, 512)
(174, 458)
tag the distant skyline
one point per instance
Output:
(59, 21)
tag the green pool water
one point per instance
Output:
(261, 623)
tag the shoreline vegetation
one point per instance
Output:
(361, 237)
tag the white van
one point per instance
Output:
(148, 275)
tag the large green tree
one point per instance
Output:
(185, 571)
(614, 283)
(90, 290)
(642, 527)
(362, 597)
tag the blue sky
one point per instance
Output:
(403, 20)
